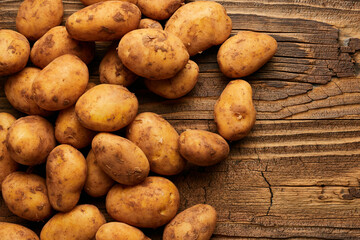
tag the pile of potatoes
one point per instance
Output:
(117, 165)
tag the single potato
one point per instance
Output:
(119, 231)
(66, 172)
(81, 223)
(200, 25)
(11, 231)
(30, 139)
(197, 222)
(177, 86)
(153, 53)
(26, 196)
(149, 23)
(244, 53)
(103, 21)
(159, 141)
(159, 9)
(150, 204)
(234, 111)
(89, 2)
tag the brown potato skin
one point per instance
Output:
(11, 231)
(200, 25)
(118, 230)
(114, 109)
(234, 111)
(57, 42)
(177, 86)
(153, 53)
(14, 52)
(30, 139)
(149, 204)
(244, 53)
(103, 21)
(203, 148)
(197, 222)
(159, 141)
(159, 9)
(26, 196)
(66, 172)
(89, 2)
(149, 23)
(81, 223)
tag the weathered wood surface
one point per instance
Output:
(297, 175)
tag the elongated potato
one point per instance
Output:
(149, 23)
(118, 231)
(159, 9)
(89, 2)
(11, 231)
(234, 111)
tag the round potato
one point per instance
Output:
(11, 231)
(30, 139)
(66, 172)
(197, 222)
(36, 17)
(14, 52)
(118, 231)
(57, 42)
(89, 2)
(234, 111)
(153, 53)
(26, 196)
(159, 9)
(149, 23)
(200, 25)
(81, 223)
(149, 204)
(103, 21)
(69, 78)
(177, 86)
(159, 141)
(115, 107)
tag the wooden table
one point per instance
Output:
(297, 174)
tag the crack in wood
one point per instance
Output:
(271, 192)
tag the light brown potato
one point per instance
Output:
(115, 107)
(119, 231)
(159, 141)
(149, 204)
(30, 139)
(200, 25)
(244, 53)
(69, 78)
(149, 23)
(152, 53)
(57, 42)
(203, 148)
(103, 21)
(234, 111)
(11, 231)
(81, 223)
(26, 196)
(159, 9)
(113, 71)
(177, 86)
(66, 172)
(197, 222)
(89, 2)
(18, 90)
(121, 159)
(14, 52)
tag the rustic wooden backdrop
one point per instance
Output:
(297, 175)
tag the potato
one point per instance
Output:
(97, 183)
(113, 71)
(152, 53)
(244, 53)
(103, 21)
(200, 25)
(177, 86)
(149, 23)
(11, 231)
(203, 148)
(234, 111)
(197, 222)
(14, 52)
(69, 77)
(121, 159)
(81, 223)
(159, 9)
(89, 2)
(115, 107)
(66, 172)
(57, 42)
(149, 204)
(118, 231)
(159, 141)
(26, 196)
(30, 139)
